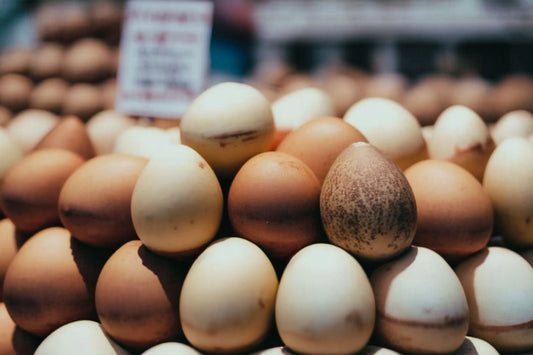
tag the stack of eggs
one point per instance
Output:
(234, 234)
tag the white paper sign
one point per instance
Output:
(164, 56)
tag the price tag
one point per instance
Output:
(164, 56)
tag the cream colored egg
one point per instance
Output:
(227, 298)
(498, 284)
(171, 348)
(10, 153)
(83, 337)
(104, 128)
(461, 136)
(177, 203)
(513, 124)
(421, 306)
(476, 346)
(508, 180)
(325, 304)
(143, 141)
(227, 124)
(30, 126)
(377, 350)
(390, 128)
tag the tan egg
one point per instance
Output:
(75, 21)
(366, 204)
(87, 60)
(95, 201)
(391, 86)
(476, 346)
(171, 348)
(46, 61)
(344, 90)
(5, 116)
(454, 212)
(106, 19)
(174, 218)
(51, 281)
(318, 143)
(104, 128)
(513, 124)
(498, 284)
(15, 91)
(513, 92)
(297, 81)
(390, 128)
(324, 307)
(298, 107)
(273, 201)
(14, 340)
(49, 95)
(10, 242)
(30, 126)
(272, 72)
(137, 296)
(144, 141)
(425, 102)
(83, 101)
(15, 60)
(82, 337)
(10, 153)
(227, 124)
(420, 304)
(508, 182)
(377, 350)
(472, 92)
(30, 189)
(48, 22)
(221, 319)
(461, 137)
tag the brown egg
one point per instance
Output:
(15, 91)
(5, 116)
(49, 95)
(30, 126)
(69, 134)
(83, 100)
(472, 92)
(105, 127)
(75, 21)
(94, 204)
(137, 297)
(87, 60)
(10, 242)
(14, 340)
(514, 92)
(390, 86)
(455, 216)
(31, 188)
(51, 281)
(272, 72)
(425, 102)
(318, 143)
(15, 60)
(345, 90)
(106, 19)
(46, 61)
(48, 21)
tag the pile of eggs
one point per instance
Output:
(262, 228)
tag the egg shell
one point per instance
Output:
(82, 337)
(15, 90)
(15, 60)
(476, 346)
(10, 242)
(227, 299)
(377, 350)
(137, 296)
(95, 201)
(390, 128)
(344, 90)
(425, 102)
(324, 307)
(513, 124)
(318, 143)
(227, 124)
(87, 60)
(420, 304)
(171, 348)
(454, 212)
(46, 61)
(13, 340)
(391, 86)
(105, 127)
(82, 100)
(51, 281)
(498, 284)
(49, 95)
(366, 204)
(512, 92)
(31, 188)
(177, 202)
(474, 93)
(507, 180)
(144, 141)
(273, 201)
(29, 126)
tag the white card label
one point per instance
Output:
(164, 56)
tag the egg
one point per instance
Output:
(461, 136)
(221, 319)
(366, 204)
(391, 86)
(5, 116)
(324, 307)
(513, 92)
(48, 95)
(51, 281)
(390, 128)
(10, 242)
(318, 143)
(425, 102)
(87, 60)
(297, 81)
(47, 21)
(95, 201)
(377, 350)
(454, 212)
(15, 60)
(498, 284)
(13, 340)
(507, 181)
(420, 304)
(137, 297)
(82, 100)
(104, 128)
(15, 90)
(82, 337)
(144, 141)
(30, 189)
(109, 93)
(106, 19)
(475, 346)
(344, 90)
(10, 154)
(46, 61)
(174, 218)
(29, 126)
(513, 124)
(75, 21)
(472, 92)
(171, 348)
(227, 124)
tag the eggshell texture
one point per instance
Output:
(476, 346)
(227, 124)
(421, 306)
(273, 201)
(318, 143)
(51, 281)
(177, 203)
(144, 141)
(461, 136)
(15, 91)
(324, 307)
(87, 60)
(508, 182)
(31, 188)
(366, 204)
(104, 128)
(498, 284)
(49, 95)
(10, 242)
(171, 348)
(13, 340)
(221, 319)
(454, 212)
(390, 128)
(95, 202)
(137, 296)
(513, 124)
(30, 126)
(83, 337)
